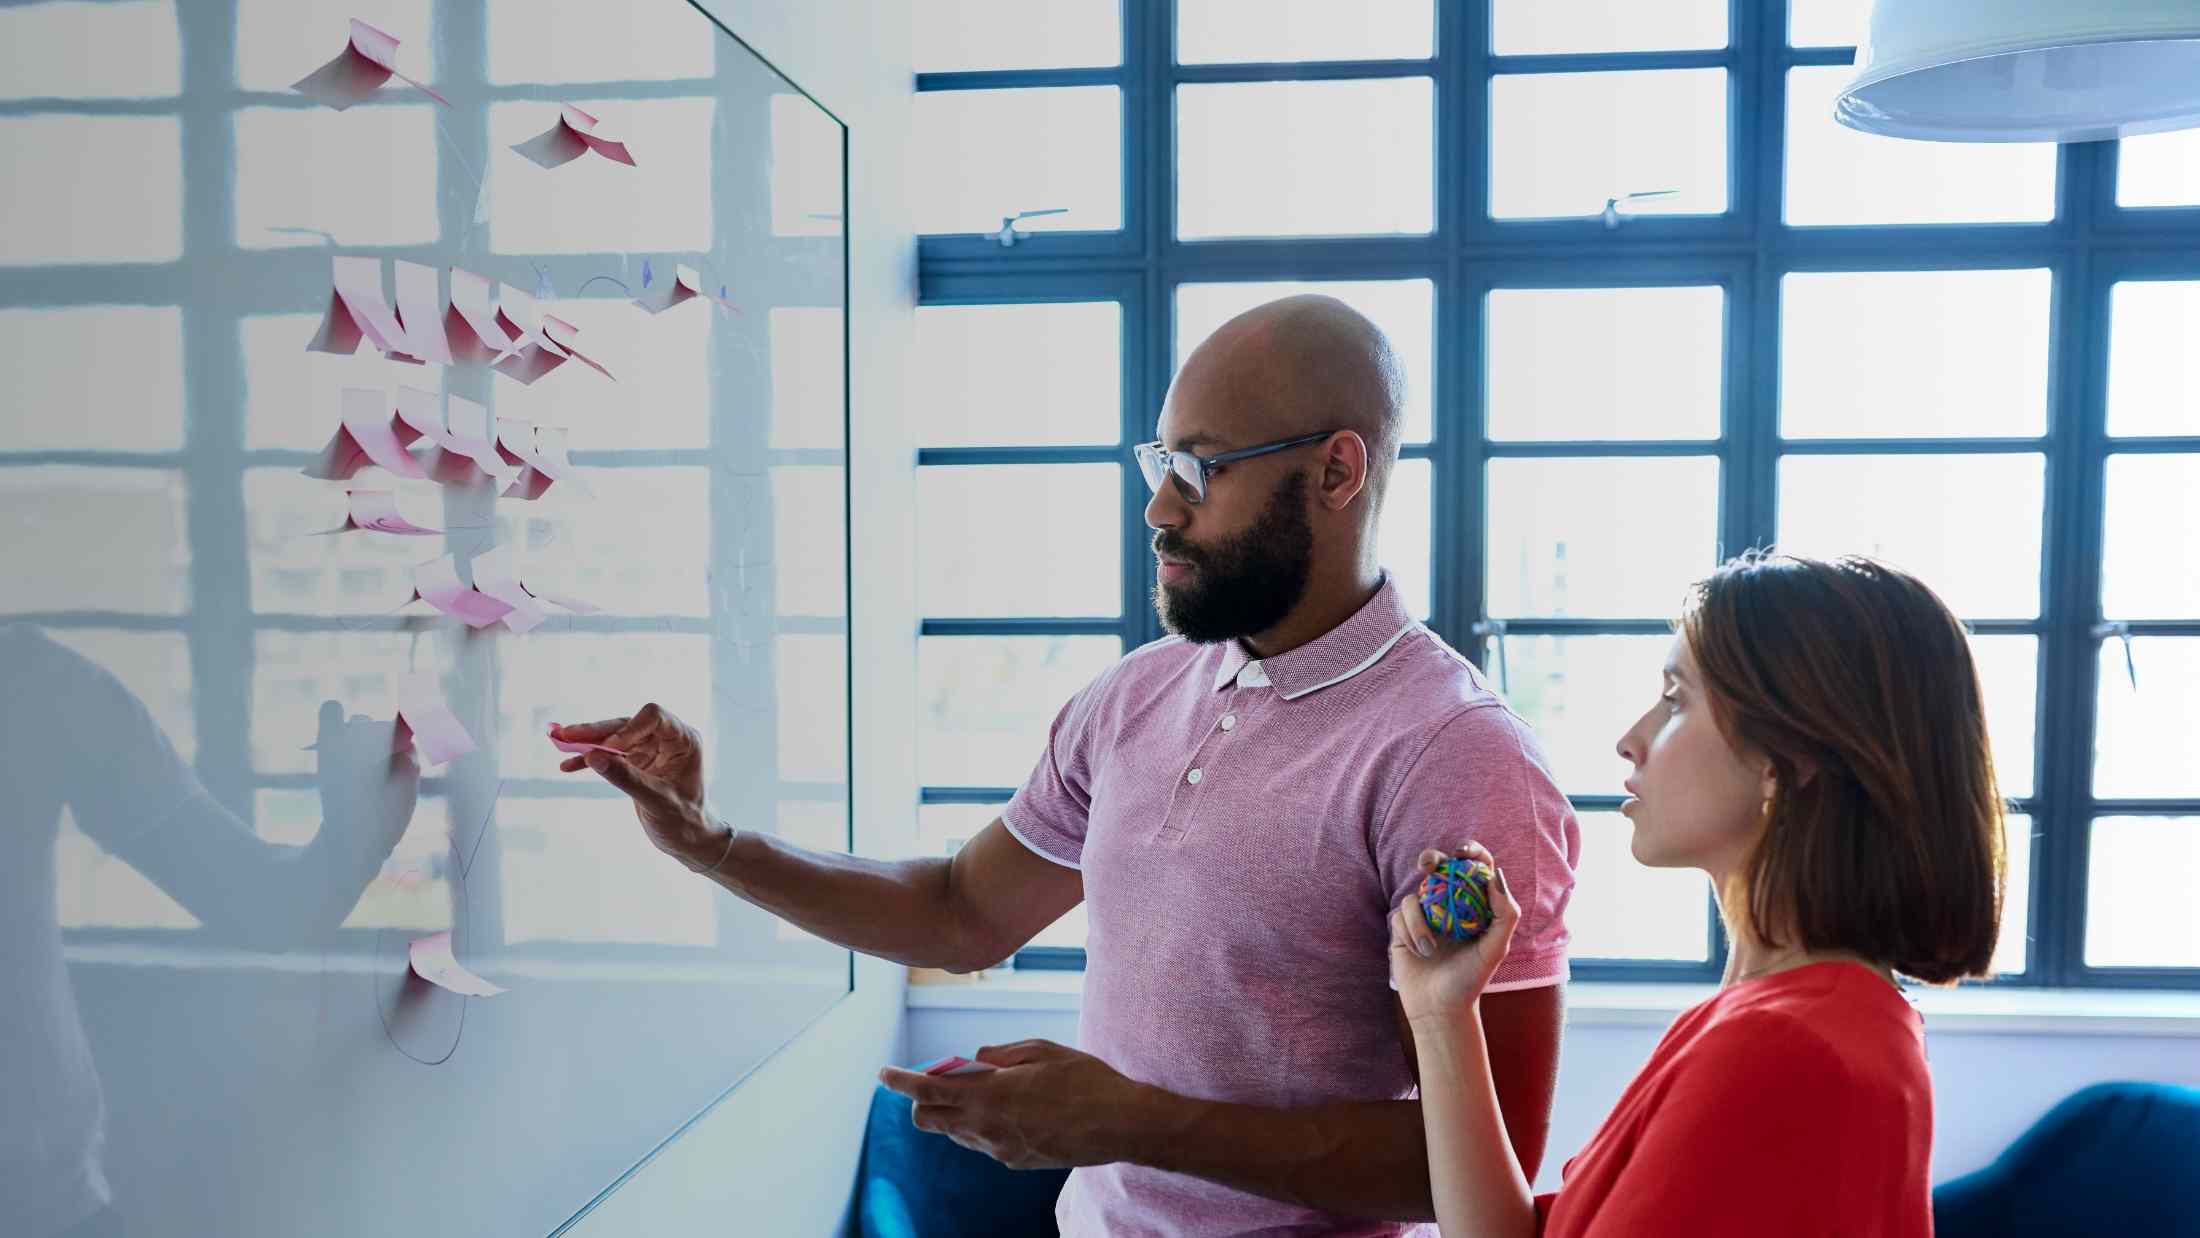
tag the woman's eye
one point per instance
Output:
(1671, 700)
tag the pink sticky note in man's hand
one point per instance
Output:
(433, 961)
(576, 747)
(575, 134)
(368, 60)
(952, 1065)
(437, 584)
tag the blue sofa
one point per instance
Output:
(914, 1184)
(2118, 1159)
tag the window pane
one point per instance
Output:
(1581, 693)
(1914, 354)
(948, 36)
(2013, 950)
(1018, 375)
(1041, 539)
(278, 41)
(979, 155)
(293, 672)
(366, 176)
(809, 553)
(296, 571)
(554, 676)
(1404, 543)
(584, 41)
(2145, 735)
(1624, 909)
(1838, 175)
(942, 829)
(569, 872)
(2159, 169)
(2139, 910)
(154, 666)
(985, 703)
(1828, 23)
(2153, 370)
(1601, 538)
(1552, 27)
(810, 675)
(1405, 309)
(597, 206)
(132, 519)
(573, 544)
(809, 365)
(1561, 144)
(2152, 538)
(1924, 514)
(125, 50)
(293, 398)
(65, 397)
(1661, 355)
(2009, 676)
(1249, 31)
(1306, 158)
(808, 160)
(664, 366)
(107, 189)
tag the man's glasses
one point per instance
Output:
(1191, 472)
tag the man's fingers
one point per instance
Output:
(921, 1088)
(573, 765)
(619, 773)
(1020, 1053)
(591, 732)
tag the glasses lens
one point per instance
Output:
(1149, 463)
(1191, 480)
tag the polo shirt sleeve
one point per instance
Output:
(120, 773)
(1049, 812)
(1482, 778)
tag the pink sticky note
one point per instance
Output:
(357, 308)
(685, 285)
(576, 747)
(475, 335)
(437, 584)
(575, 134)
(375, 511)
(368, 60)
(560, 332)
(433, 962)
(495, 575)
(425, 722)
(420, 313)
(553, 458)
(367, 436)
(952, 1065)
(419, 417)
(469, 433)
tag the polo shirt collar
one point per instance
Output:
(1337, 655)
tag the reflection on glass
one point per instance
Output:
(1600, 538)
(2145, 733)
(296, 571)
(274, 36)
(45, 50)
(806, 169)
(1405, 309)
(1325, 158)
(952, 36)
(985, 703)
(2153, 370)
(1558, 27)
(68, 391)
(568, 539)
(1563, 143)
(2139, 910)
(1405, 543)
(106, 189)
(93, 539)
(293, 398)
(2013, 949)
(1581, 693)
(293, 672)
(1839, 175)
(808, 379)
(2159, 169)
(365, 176)
(1828, 23)
(2152, 538)
(988, 154)
(581, 871)
(1254, 31)
(585, 41)
(942, 829)
(1908, 354)
(154, 666)
(1923, 514)
(412, 889)
(662, 396)
(812, 681)
(809, 555)
(554, 676)
(997, 540)
(1660, 363)
(1018, 375)
(2009, 679)
(93, 889)
(1624, 909)
(593, 205)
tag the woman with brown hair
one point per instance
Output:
(1819, 749)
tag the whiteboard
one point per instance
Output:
(212, 887)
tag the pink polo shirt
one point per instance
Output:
(1244, 828)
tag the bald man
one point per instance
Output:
(1237, 806)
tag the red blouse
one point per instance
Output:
(1796, 1104)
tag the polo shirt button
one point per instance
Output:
(1229, 722)
(1194, 777)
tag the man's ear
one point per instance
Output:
(1344, 469)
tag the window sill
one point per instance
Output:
(1977, 1011)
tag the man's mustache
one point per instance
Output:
(1169, 547)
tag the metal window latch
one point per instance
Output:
(2120, 630)
(1612, 216)
(1492, 631)
(1008, 235)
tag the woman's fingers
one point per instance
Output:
(1414, 927)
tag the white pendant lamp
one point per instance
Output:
(2026, 70)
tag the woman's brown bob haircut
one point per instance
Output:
(1885, 836)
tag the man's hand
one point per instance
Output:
(1047, 1107)
(662, 772)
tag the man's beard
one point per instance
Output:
(1249, 583)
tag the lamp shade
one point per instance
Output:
(2026, 70)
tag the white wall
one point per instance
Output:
(1988, 1085)
(778, 1157)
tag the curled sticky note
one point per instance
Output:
(375, 511)
(366, 436)
(357, 309)
(420, 312)
(433, 961)
(685, 285)
(427, 724)
(368, 60)
(577, 747)
(437, 584)
(495, 575)
(575, 134)
(473, 326)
